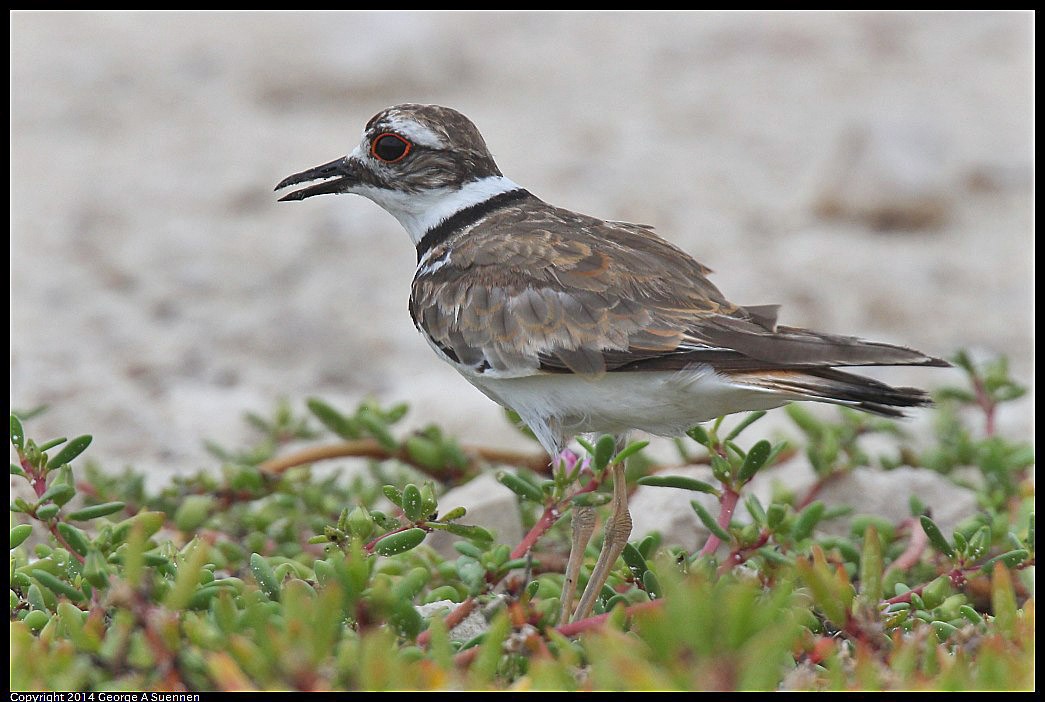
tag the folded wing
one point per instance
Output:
(519, 297)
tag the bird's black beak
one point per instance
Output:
(339, 177)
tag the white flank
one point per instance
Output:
(557, 407)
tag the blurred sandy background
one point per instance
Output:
(871, 172)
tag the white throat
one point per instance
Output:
(420, 211)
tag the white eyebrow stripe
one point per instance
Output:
(416, 132)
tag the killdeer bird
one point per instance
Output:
(580, 324)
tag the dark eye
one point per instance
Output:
(390, 147)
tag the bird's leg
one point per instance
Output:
(583, 521)
(618, 529)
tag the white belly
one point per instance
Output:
(666, 403)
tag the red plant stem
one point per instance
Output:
(727, 505)
(906, 597)
(548, 518)
(465, 657)
(986, 404)
(913, 553)
(551, 514)
(39, 483)
(371, 448)
(958, 577)
(53, 528)
(574, 628)
(739, 555)
(816, 487)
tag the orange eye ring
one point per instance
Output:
(390, 147)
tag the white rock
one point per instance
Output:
(887, 493)
(470, 627)
(668, 510)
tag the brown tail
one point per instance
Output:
(837, 387)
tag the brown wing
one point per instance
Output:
(536, 288)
